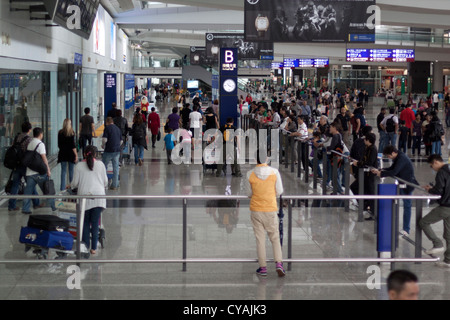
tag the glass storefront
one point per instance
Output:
(40, 97)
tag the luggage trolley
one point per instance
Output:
(58, 233)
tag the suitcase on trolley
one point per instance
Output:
(48, 223)
(60, 240)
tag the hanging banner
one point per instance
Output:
(310, 21)
(129, 91)
(110, 87)
(247, 50)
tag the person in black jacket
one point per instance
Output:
(442, 212)
(402, 168)
(369, 159)
(67, 155)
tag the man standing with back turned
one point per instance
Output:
(264, 185)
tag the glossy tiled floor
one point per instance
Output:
(153, 230)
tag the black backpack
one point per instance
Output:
(14, 155)
(390, 125)
(438, 131)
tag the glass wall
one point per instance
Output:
(24, 96)
(359, 79)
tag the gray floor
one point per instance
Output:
(153, 230)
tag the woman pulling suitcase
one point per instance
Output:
(90, 178)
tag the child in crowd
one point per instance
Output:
(169, 144)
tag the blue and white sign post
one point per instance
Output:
(228, 98)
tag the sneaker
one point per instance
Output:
(262, 271)
(434, 251)
(442, 264)
(404, 233)
(14, 209)
(280, 269)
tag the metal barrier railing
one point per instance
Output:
(184, 200)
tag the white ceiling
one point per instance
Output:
(179, 24)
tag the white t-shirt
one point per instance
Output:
(195, 118)
(303, 130)
(436, 98)
(41, 150)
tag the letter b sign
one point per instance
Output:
(229, 57)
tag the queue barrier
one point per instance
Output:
(81, 199)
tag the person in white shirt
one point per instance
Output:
(436, 101)
(34, 178)
(301, 134)
(90, 178)
(195, 121)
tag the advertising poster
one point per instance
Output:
(113, 41)
(198, 56)
(110, 87)
(99, 32)
(247, 50)
(129, 91)
(336, 21)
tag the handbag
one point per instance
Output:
(9, 184)
(33, 160)
(158, 137)
(49, 187)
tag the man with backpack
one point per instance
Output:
(441, 212)
(436, 133)
(14, 156)
(390, 126)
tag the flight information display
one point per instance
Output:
(277, 65)
(306, 63)
(291, 63)
(380, 55)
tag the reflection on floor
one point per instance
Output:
(147, 229)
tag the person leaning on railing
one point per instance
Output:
(402, 168)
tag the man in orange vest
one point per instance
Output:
(264, 185)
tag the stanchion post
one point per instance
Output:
(347, 184)
(360, 192)
(315, 168)
(335, 174)
(393, 232)
(325, 172)
(290, 234)
(292, 144)
(184, 233)
(299, 157)
(419, 213)
(305, 161)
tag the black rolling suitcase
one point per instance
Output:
(48, 223)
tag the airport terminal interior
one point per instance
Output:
(193, 237)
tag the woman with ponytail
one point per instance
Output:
(90, 179)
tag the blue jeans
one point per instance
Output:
(114, 157)
(91, 227)
(382, 142)
(32, 181)
(138, 153)
(390, 139)
(63, 174)
(16, 177)
(436, 147)
(407, 205)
